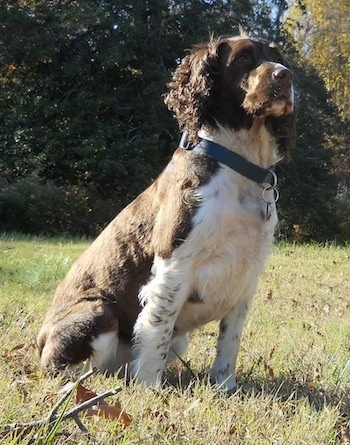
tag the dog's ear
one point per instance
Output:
(192, 89)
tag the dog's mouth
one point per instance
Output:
(282, 97)
(268, 90)
(272, 99)
(282, 101)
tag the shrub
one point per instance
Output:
(33, 207)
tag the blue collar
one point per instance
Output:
(233, 160)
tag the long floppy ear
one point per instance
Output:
(191, 91)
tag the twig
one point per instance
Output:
(185, 364)
(53, 416)
(81, 426)
(67, 393)
(91, 402)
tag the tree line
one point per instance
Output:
(83, 127)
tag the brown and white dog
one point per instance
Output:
(190, 248)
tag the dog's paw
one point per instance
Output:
(144, 376)
(224, 382)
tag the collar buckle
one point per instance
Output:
(184, 143)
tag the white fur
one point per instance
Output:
(104, 356)
(220, 262)
(110, 354)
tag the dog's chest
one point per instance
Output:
(226, 249)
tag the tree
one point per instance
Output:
(324, 112)
(81, 85)
(82, 115)
(321, 32)
(309, 186)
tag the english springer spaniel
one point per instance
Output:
(190, 248)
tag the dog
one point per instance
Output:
(190, 248)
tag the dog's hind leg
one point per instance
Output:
(76, 331)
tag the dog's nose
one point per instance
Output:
(282, 74)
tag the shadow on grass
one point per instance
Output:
(287, 390)
(278, 388)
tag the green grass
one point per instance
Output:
(293, 368)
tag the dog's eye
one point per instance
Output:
(280, 60)
(243, 59)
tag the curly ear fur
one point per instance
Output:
(192, 89)
(194, 95)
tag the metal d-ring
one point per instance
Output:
(275, 197)
(275, 180)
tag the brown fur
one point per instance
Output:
(100, 292)
(206, 98)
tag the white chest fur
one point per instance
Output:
(212, 275)
(221, 259)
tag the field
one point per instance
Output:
(293, 367)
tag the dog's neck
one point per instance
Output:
(256, 144)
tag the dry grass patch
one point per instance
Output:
(293, 368)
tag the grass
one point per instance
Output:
(293, 367)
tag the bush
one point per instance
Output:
(33, 207)
(343, 215)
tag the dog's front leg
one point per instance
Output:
(163, 298)
(231, 326)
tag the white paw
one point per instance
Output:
(223, 381)
(146, 377)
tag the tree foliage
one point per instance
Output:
(309, 188)
(318, 34)
(81, 87)
(321, 33)
(83, 127)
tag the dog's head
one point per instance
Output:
(231, 82)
